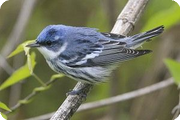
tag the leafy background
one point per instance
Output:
(129, 76)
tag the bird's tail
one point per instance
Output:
(137, 40)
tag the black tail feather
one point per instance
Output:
(138, 39)
(149, 34)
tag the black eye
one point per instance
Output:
(48, 43)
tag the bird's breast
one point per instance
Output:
(83, 74)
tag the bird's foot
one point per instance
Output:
(76, 92)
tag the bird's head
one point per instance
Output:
(50, 42)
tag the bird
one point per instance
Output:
(2, 1)
(87, 55)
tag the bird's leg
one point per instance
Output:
(83, 90)
(76, 92)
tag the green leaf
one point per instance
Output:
(22, 47)
(3, 106)
(17, 76)
(16, 51)
(31, 62)
(56, 76)
(174, 68)
(166, 17)
(4, 116)
(20, 74)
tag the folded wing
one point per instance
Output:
(107, 52)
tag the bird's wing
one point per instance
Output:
(111, 57)
(102, 53)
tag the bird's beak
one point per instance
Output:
(35, 44)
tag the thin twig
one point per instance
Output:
(127, 96)
(123, 25)
(116, 99)
(30, 96)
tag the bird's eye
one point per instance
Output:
(48, 43)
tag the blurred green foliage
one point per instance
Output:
(88, 13)
(174, 68)
(167, 17)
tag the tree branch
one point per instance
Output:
(129, 16)
(124, 24)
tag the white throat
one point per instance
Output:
(48, 54)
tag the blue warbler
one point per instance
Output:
(87, 55)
